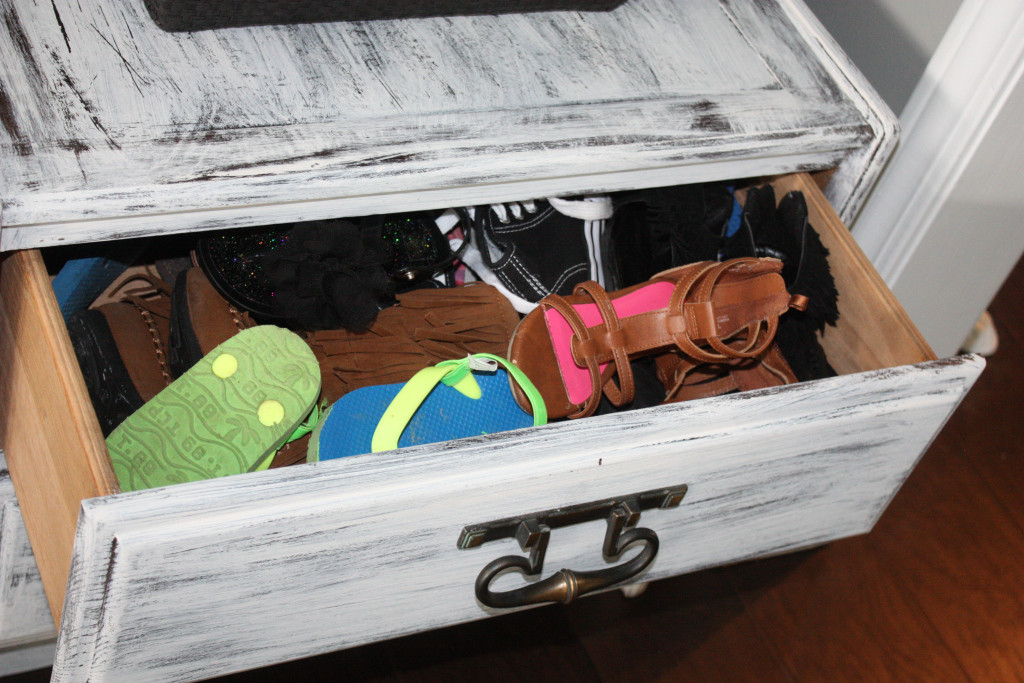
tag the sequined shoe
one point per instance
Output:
(312, 275)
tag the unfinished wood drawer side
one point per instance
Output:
(48, 429)
(873, 331)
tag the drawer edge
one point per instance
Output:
(910, 403)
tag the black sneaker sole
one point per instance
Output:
(113, 395)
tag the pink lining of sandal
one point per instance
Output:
(577, 379)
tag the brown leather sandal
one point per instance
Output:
(573, 348)
(686, 380)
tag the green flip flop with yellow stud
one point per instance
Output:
(228, 414)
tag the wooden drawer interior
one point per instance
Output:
(57, 455)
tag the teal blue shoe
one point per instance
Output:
(451, 400)
(81, 280)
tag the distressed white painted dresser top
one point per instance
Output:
(112, 127)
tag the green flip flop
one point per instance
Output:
(226, 415)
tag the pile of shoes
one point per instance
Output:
(313, 341)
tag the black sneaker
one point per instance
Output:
(530, 249)
(663, 227)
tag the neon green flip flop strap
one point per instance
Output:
(305, 428)
(307, 425)
(456, 374)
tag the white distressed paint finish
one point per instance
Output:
(25, 617)
(113, 128)
(202, 579)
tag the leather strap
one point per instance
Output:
(701, 381)
(706, 280)
(582, 341)
(622, 393)
(692, 321)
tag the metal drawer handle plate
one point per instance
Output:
(533, 533)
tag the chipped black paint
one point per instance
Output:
(76, 146)
(107, 581)
(21, 42)
(10, 124)
(132, 71)
(60, 22)
(87, 105)
(712, 123)
(7, 113)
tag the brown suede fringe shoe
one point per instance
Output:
(426, 327)
(201, 320)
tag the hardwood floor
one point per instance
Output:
(935, 592)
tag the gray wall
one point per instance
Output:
(890, 41)
(943, 224)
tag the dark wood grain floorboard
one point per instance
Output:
(935, 592)
(838, 615)
(989, 426)
(953, 544)
(680, 629)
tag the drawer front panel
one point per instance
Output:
(208, 578)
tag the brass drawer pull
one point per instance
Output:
(533, 533)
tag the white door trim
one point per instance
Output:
(963, 89)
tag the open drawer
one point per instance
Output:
(202, 579)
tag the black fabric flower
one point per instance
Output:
(329, 275)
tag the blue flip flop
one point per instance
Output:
(451, 400)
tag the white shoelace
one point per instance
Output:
(586, 209)
(593, 211)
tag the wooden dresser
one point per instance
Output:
(114, 129)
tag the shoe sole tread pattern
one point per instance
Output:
(205, 426)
